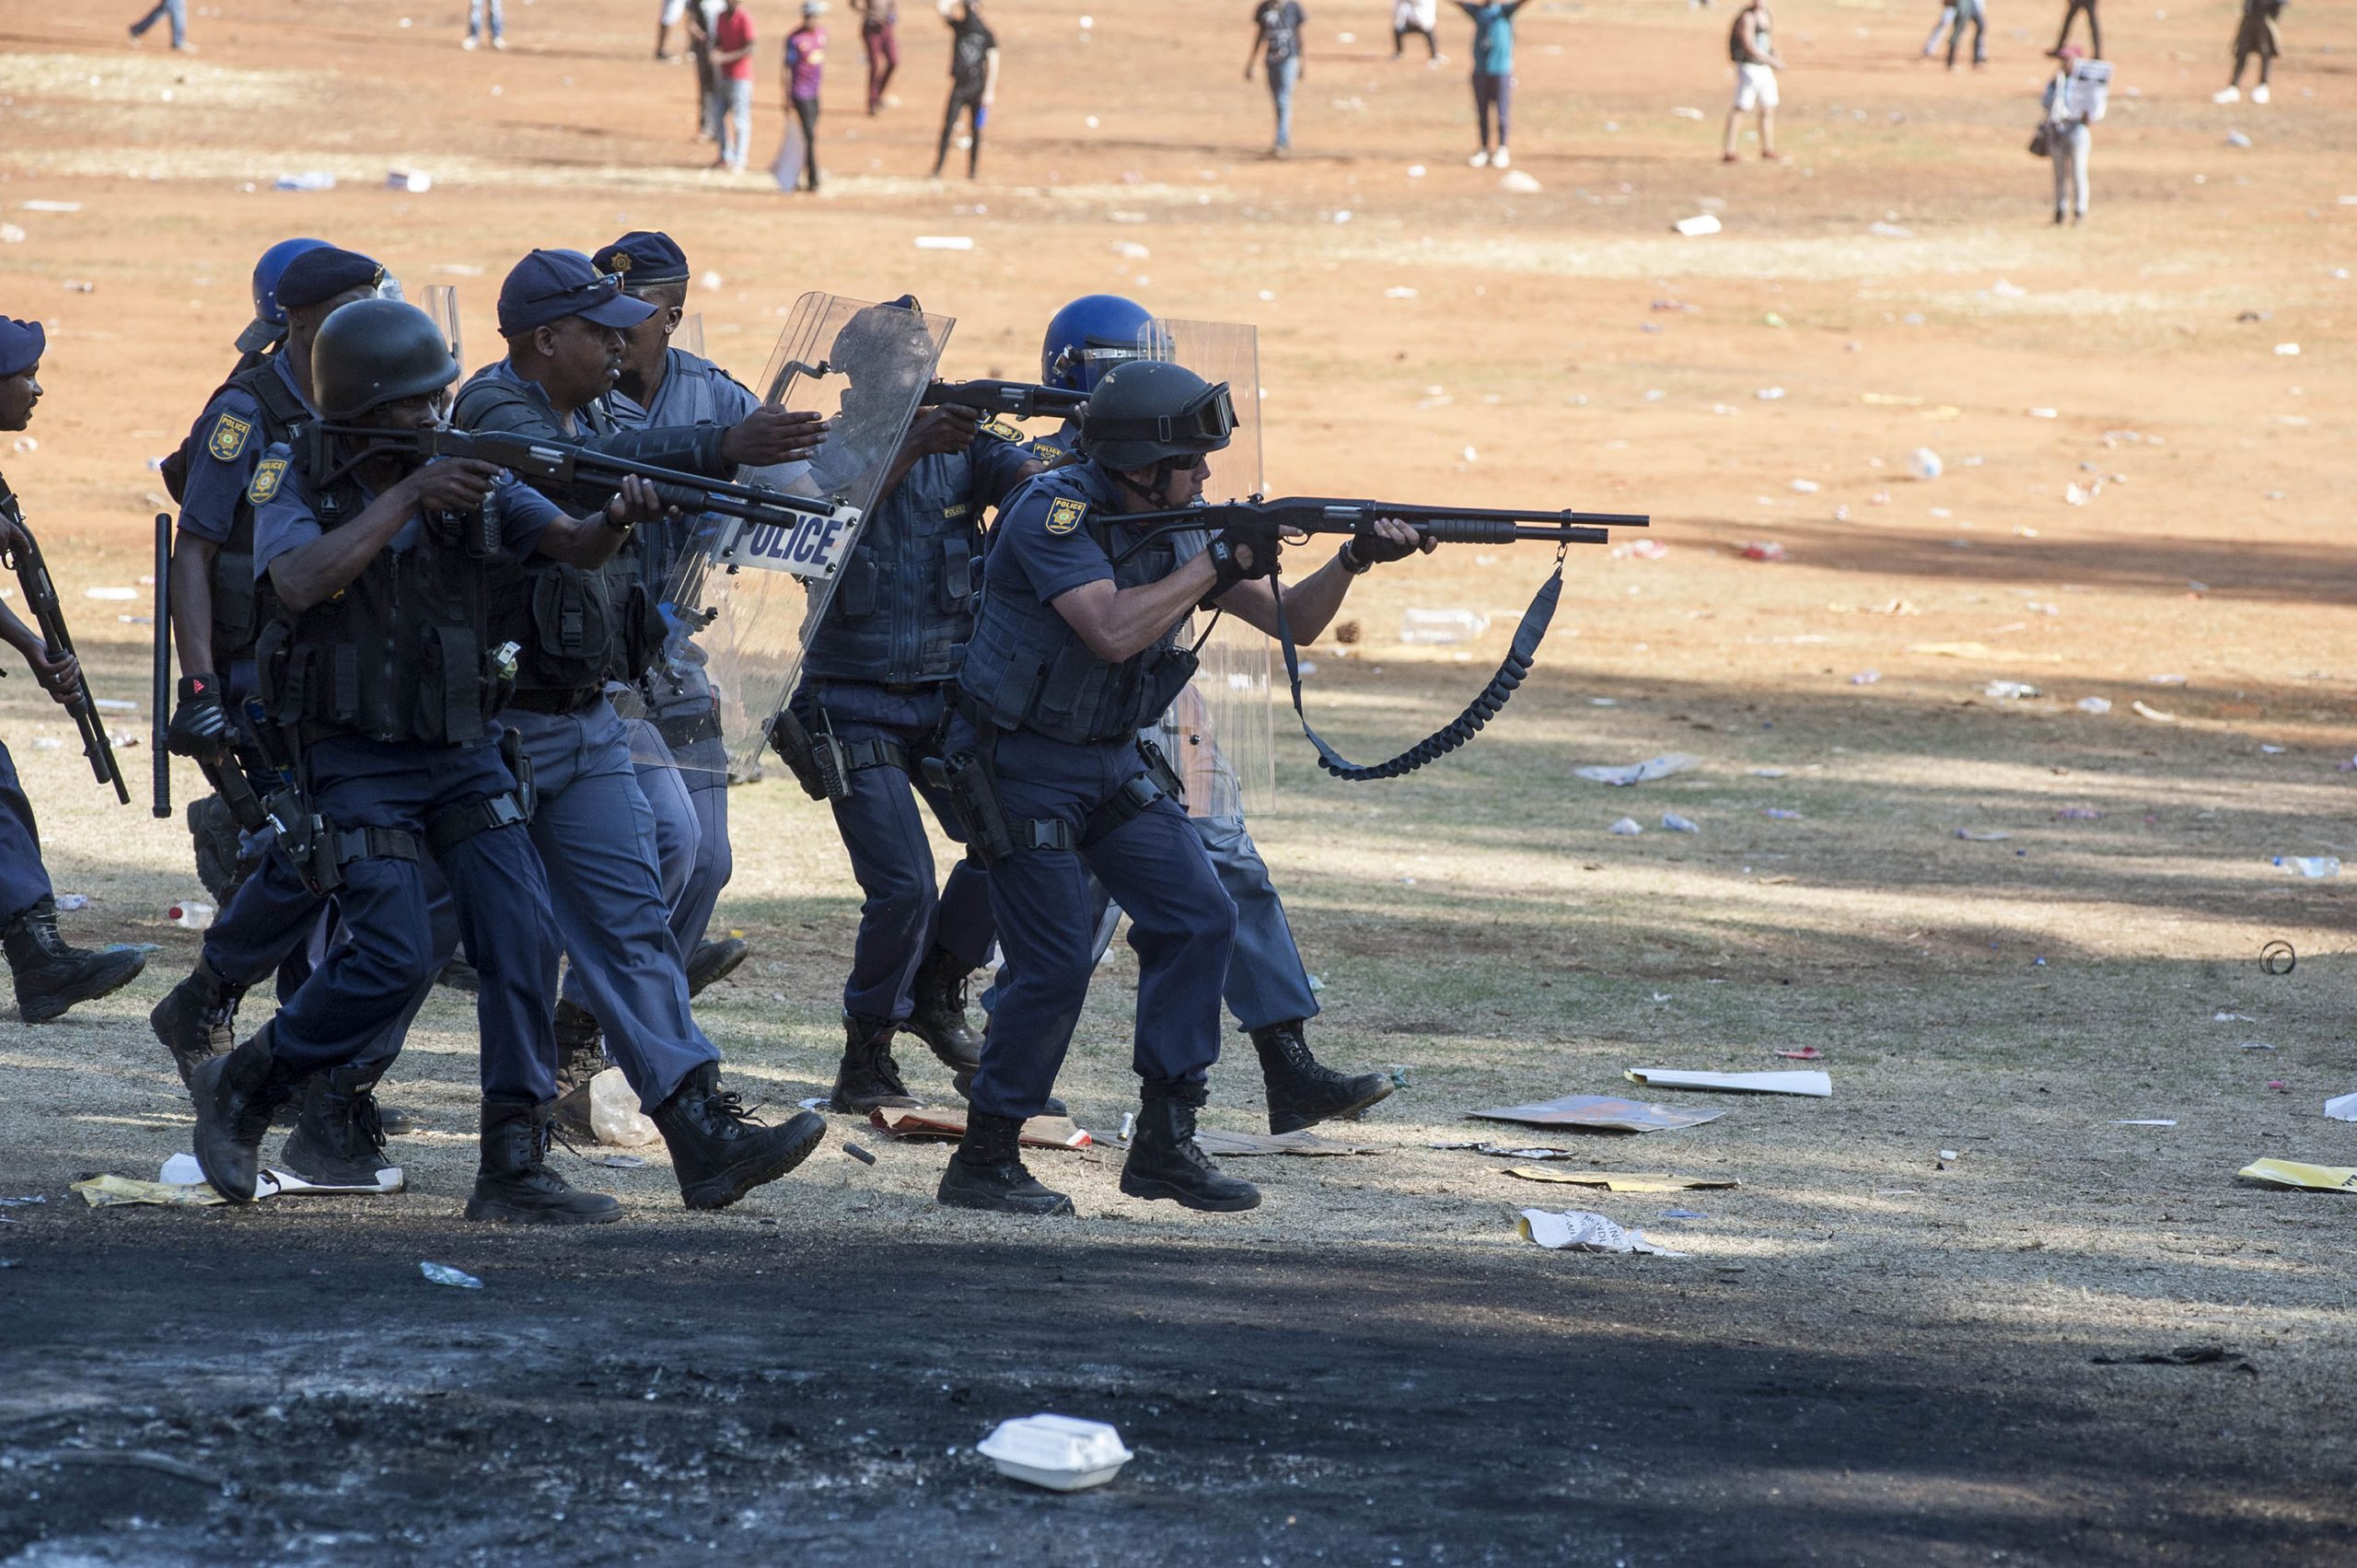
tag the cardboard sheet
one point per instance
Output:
(950, 1122)
(2291, 1173)
(1598, 1113)
(1818, 1086)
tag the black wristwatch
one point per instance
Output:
(1349, 556)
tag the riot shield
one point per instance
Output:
(745, 598)
(440, 300)
(1220, 735)
(688, 334)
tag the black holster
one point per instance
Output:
(973, 800)
(817, 760)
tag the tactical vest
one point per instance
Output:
(1027, 669)
(402, 654)
(905, 606)
(236, 619)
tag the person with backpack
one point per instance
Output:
(2067, 139)
(1751, 44)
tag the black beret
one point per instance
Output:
(645, 257)
(318, 276)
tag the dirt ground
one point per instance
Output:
(1881, 1347)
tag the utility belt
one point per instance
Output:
(821, 761)
(319, 851)
(554, 703)
(970, 781)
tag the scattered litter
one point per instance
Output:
(620, 1162)
(2183, 1355)
(614, 1116)
(2223, 1016)
(106, 1191)
(1805, 1054)
(2316, 868)
(111, 593)
(2153, 714)
(2257, 1045)
(1768, 773)
(2008, 691)
(1950, 650)
(1684, 1215)
(1639, 550)
(862, 1155)
(2311, 1178)
(2142, 1123)
(1402, 292)
(2279, 1086)
(415, 179)
(1519, 182)
(114, 706)
(1434, 627)
(2237, 139)
(49, 206)
(2045, 413)
(2094, 704)
(1804, 487)
(443, 1274)
(1772, 395)
(1889, 231)
(1696, 226)
(1224, 1144)
(1622, 1181)
(944, 242)
(20, 1202)
(11, 235)
(1762, 550)
(1599, 1113)
(950, 1122)
(1682, 112)
(1539, 1151)
(309, 180)
(2277, 958)
(2267, 750)
(1863, 677)
(1947, 1153)
(1626, 828)
(1057, 1452)
(2169, 679)
(1676, 824)
(1924, 463)
(2289, 351)
(1983, 835)
(1651, 768)
(2342, 1108)
(68, 902)
(1772, 319)
(2078, 814)
(1778, 814)
(1815, 1085)
(182, 1171)
(1577, 1230)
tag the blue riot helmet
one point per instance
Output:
(269, 324)
(1094, 333)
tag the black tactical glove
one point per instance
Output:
(1238, 554)
(200, 726)
(1362, 551)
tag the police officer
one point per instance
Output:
(1073, 651)
(664, 385)
(581, 624)
(270, 912)
(50, 975)
(1268, 986)
(875, 680)
(380, 662)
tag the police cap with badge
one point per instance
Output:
(644, 259)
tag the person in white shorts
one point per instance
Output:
(667, 18)
(1751, 44)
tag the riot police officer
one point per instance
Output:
(1267, 987)
(580, 625)
(50, 975)
(1073, 651)
(876, 677)
(379, 663)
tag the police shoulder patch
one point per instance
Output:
(229, 437)
(1064, 514)
(1048, 453)
(1003, 431)
(268, 474)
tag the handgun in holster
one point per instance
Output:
(1159, 769)
(519, 763)
(973, 800)
(817, 760)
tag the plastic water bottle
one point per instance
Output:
(195, 915)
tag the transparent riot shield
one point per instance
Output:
(689, 335)
(440, 301)
(1221, 733)
(746, 597)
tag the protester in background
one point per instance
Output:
(732, 58)
(1948, 20)
(175, 10)
(2261, 35)
(1751, 44)
(664, 20)
(2067, 140)
(2095, 28)
(805, 61)
(711, 100)
(1416, 16)
(879, 22)
(1276, 34)
(474, 23)
(1492, 73)
(973, 80)
(1975, 12)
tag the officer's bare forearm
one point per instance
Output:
(18, 635)
(580, 541)
(1120, 623)
(192, 601)
(312, 574)
(1310, 603)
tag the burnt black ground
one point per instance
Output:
(273, 1386)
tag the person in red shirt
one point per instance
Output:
(806, 60)
(732, 56)
(879, 23)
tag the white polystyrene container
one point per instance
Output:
(1059, 1452)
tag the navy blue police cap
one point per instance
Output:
(21, 343)
(549, 286)
(317, 276)
(645, 257)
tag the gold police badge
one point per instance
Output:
(229, 437)
(267, 479)
(1064, 515)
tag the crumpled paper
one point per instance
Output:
(1576, 1230)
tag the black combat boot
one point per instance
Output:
(987, 1172)
(51, 976)
(938, 1017)
(713, 962)
(338, 1141)
(234, 1095)
(1165, 1163)
(721, 1150)
(1302, 1091)
(580, 1056)
(197, 1019)
(515, 1182)
(868, 1076)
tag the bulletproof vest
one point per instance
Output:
(576, 627)
(905, 606)
(1027, 669)
(402, 654)
(236, 617)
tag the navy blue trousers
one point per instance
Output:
(23, 880)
